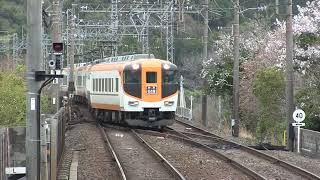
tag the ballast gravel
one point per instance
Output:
(194, 163)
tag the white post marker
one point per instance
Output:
(298, 116)
(15, 170)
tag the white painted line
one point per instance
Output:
(73, 175)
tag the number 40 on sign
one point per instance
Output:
(298, 116)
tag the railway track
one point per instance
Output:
(268, 167)
(135, 158)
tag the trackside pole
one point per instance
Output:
(298, 144)
(34, 54)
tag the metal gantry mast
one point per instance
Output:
(72, 36)
(115, 27)
(144, 36)
(15, 47)
(56, 35)
(137, 19)
(170, 32)
(14, 44)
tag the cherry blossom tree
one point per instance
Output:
(263, 47)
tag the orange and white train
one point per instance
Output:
(136, 89)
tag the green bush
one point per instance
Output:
(309, 100)
(269, 88)
(12, 98)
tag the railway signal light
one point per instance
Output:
(57, 51)
(57, 48)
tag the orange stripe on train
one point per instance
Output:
(106, 106)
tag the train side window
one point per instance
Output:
(78, 81)
(105, 84)
(97, 85)
(93, 85)
(112, 85)
(117, 84)
(151, 77)
(102, 84)
(109, 82)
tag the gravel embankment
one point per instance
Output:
(194, 163)
(304, 162)
(261, 166)
(266, 168)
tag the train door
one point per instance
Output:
(151, 84)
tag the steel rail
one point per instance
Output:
(162, 159)
(302, 172)
(221, 156)
(113, 153)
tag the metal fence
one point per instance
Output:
(184, 113)
(57, 138)
(309, 142)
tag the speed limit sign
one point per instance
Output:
(298, 115)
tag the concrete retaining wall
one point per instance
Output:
(12, 149)
(309, 142)
(12, 144)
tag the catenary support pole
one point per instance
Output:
(34, 55)
(289, 76)
(236, 35)
(205, 58)
(72, 50)
(57, 38)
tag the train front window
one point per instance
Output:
(169, 77)
(151, 77)
(132, 77)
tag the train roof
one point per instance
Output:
(125, 58)
(118, 59)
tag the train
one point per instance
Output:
(137, 89)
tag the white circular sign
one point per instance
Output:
(299, 115)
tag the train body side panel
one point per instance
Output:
(105, 92)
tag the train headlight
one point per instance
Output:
(133, 103)
(135, 66)
(169, 103)
(166, 66)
